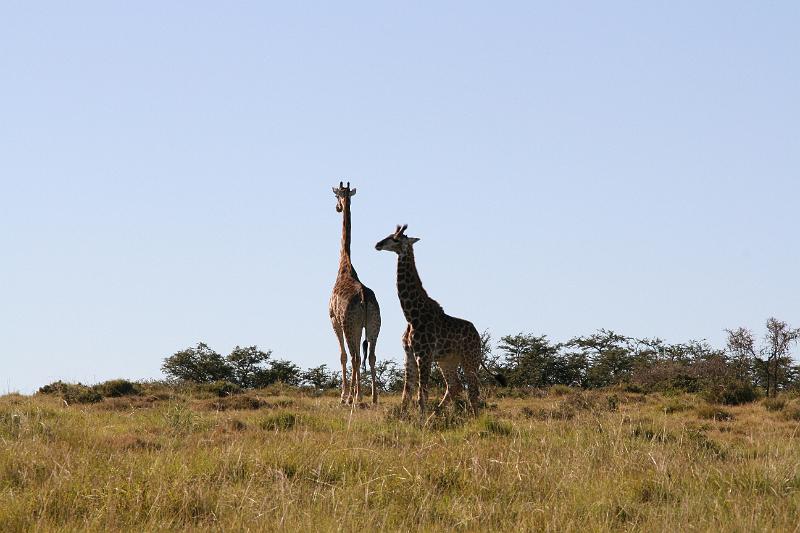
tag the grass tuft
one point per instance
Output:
(279, 422)
(774, 404)
(711, 412)
(492, 426)
(675, 405)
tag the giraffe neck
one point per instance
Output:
(413, 298)
(345, 264)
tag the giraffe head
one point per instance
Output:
(343, 194)
(398, 242)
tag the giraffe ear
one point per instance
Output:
(335, 191)
(412, 240)
(353, 191)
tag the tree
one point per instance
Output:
(199, 364)
(531, 360)
(688, 366)
(279, 370)
(776, 352)
(609, 356)
(742, 353)
(770, 365)
(246, 364)
(320, 378)
(389, 375)
(572, 369)
(646, 352)
(491, 371)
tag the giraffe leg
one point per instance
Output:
(371, 331)
(424, 363)
(343, 358)
(452, 383)
(471, 375)
(372, 370)
(353, 342)
(411, 371)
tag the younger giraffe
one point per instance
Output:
(353, 307)
(431, 335)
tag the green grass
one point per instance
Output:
(281, 460)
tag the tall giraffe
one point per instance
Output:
(431, 335)
(353, 307)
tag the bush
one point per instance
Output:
(55, 387)
(279, 371)
(238, 402)
(199, 364)
(792, 411)
(320, 378)
(579, 401)
(83, 394)
(667, 375)
(222, 388)
(774, 404)
(246, 364)
(116, 388)
(560, 390)
(731, 393)
(634, 388)
(72, 392)
(675, 405)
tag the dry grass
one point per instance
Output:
(269, 461)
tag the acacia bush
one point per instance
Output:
(116, 388)
(221, 388)
(730, 393)
(198, 364)
(72, 392)
(661, 376)
(321, 378)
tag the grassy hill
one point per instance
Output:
(284, 459)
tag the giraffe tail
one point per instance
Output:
(500, 378)
(364, 345)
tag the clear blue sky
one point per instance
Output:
(165, 172)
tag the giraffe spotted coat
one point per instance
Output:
(353, 308)
(431, 334)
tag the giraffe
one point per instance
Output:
(353, 307)
(431, 334)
